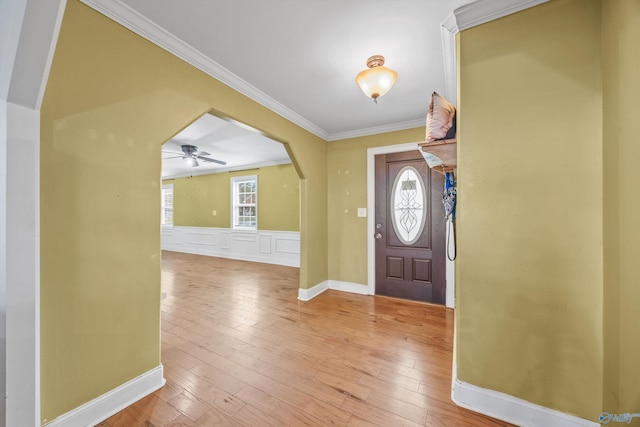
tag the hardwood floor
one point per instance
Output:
(239, 349)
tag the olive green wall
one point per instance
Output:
(111, 101)
(195, 199)
(529, 227)
(347, 183)
(621, 62)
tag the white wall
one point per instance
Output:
(11, 15)
(22, 266)
(28, 34)
(3, 258)
(271, 247)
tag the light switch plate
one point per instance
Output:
(362, 212)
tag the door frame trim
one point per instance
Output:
(371, 196)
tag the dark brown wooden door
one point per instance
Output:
(409, 228)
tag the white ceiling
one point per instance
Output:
(300, 57)
(305, 54)
(239, 146)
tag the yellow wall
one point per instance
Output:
(111, 101)
(530, 217)
(530, 262)
(347, 183)
(195, 199)
(621, 62)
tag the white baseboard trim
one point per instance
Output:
(354, 288)
(512, 409)
(312, 292)
(102, 407)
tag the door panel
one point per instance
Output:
(410, 239)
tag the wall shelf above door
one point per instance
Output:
(445, 150)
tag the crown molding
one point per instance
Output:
(465, 17)
(448, 31)
(483, 11)
(469, 16)
(139, 24)
(52, 50)
(409, 124)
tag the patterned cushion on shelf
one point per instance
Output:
(440, 119)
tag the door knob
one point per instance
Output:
(378, 235)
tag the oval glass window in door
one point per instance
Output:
(408, 210)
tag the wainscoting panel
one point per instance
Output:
(201, 238)
(271, 247)
(287, 245)
(265, 244)
(226, 240)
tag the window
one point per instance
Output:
(244, 202)
(166, 215)
(408, 198)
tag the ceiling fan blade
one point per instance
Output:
(203, 153)
(174, 157)
(206, 159)
(172, 152)
(194, 162)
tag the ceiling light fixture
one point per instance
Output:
(377, 79)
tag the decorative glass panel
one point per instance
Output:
(408, 210)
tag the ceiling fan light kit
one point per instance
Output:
(376, 80)
(191, 155)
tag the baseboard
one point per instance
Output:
(307, 294)
(355, 288)
(512, 409)
(102, 407)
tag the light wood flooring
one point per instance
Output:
(239, 349)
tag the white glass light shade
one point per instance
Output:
(377, 79)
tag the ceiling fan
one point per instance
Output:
(191, 154)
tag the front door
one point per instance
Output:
(409, 228)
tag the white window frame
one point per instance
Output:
(163, 207)
(235, 180)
